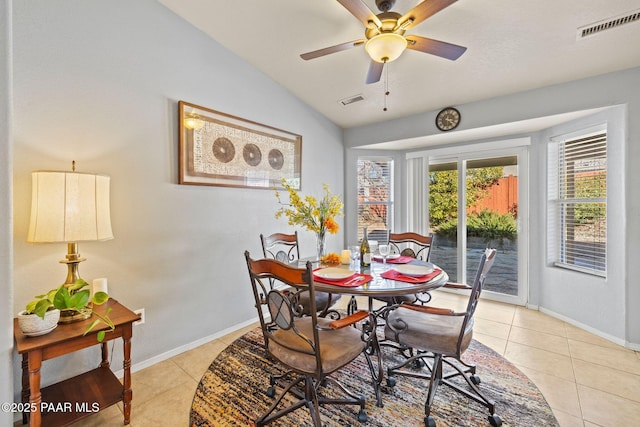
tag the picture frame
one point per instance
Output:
(223, 150)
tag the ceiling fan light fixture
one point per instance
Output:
(386, 47)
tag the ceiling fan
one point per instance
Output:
(385, 40)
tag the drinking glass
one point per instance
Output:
(355, 255)
(384, 252)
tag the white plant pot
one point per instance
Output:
(32, 325)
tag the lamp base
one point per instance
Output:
(72, 260)
(71, 315)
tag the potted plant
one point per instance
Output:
(42, 314)
(39, 316)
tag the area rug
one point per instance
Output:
(232, 393)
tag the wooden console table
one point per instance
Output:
(78, 397)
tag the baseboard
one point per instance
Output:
(632, 346)
(190, 346)
(590, 329)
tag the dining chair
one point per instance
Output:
(443, 335)
(416, 246)
(281, 246)
(284, 248)
(411, 244)
(311, 347)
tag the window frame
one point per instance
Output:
(559, 249)
(389, 203)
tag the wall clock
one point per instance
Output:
(448, 119)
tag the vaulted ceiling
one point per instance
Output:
(512, 45)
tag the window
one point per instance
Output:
(578, 180)
(375, 196)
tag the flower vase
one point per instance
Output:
(320, 248)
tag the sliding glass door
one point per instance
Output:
(487, 212)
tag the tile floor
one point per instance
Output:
(588, 381)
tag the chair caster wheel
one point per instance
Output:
(495, 420)
(362, 416)
(391, 381)
(418, 363)
(475, 379)
(429, 421)
(271, 391)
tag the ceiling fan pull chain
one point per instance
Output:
(386, 85)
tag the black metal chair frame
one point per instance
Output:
(436, 375)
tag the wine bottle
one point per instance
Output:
(365, 251)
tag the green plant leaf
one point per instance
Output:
(104, 319)
(78, 284)
(41, 308)
(52, 293)
(31, 306)
(91, 326)
(100, 298)
(79, 299)
(60, 298)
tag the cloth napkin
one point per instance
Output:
(394, 275)
(400, 260)
(348, 282)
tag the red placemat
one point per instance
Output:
(394, 275)
(349, 282)
(400, 260)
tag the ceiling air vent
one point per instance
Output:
(351, 100)
(608, 24)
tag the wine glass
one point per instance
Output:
(384, 252)
(355, 255)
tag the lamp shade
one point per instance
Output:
(69, 207)
(386, 47)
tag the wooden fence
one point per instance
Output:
(502, 197)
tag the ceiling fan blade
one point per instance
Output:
(375, 72)
(435, 47)
(423, 11)
(361, 11)
(332, 49)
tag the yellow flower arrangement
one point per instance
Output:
(316, 216)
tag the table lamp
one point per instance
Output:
(69, 207)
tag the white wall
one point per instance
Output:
(6, 221)
(608, 307)
(98, 82)
(594, 302)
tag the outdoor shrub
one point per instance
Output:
(487, 224)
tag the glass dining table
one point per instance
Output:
(380, 280)
(394, 285)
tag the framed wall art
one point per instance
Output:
(224, 150)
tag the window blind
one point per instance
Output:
(582, 203)
(375, 196)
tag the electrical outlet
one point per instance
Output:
(139, 311)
